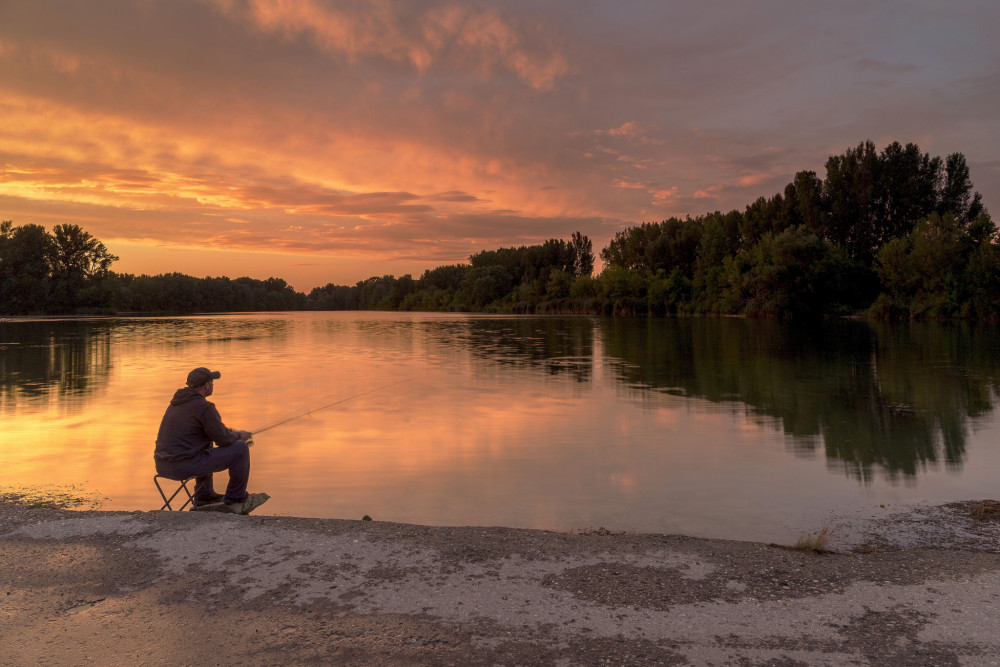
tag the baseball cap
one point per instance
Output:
(201, 375)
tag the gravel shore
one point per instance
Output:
(915, 587)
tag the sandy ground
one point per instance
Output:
(920, 587)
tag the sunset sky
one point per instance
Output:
(325, 141)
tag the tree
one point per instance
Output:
(373, 293)
(676, 246)
(906, 192)
(790, 275)
(559, 284)
(539, 260)
(628, 248)
(484, 285)
(448, 277)
(941, 270)
(79, 256)
(334, 297)
(849, 193)
(511, 260)
(653, 246)
(804, 203)
(401, 288)
(583, 255)
(956, 195)
(983, 279)
(80, 262)
(761, 217)
(27, 254)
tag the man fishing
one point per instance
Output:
(184, 447)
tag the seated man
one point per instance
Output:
(184, 447)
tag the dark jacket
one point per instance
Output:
(190, 425)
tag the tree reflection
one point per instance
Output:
(884, 397)
(62, 357)
(75, 357)
(889, 399)
(560, 345)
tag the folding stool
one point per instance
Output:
(183, 487)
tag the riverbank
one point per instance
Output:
(186, 587)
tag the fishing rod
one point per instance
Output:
(323, 407)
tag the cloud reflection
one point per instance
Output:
(846, 389)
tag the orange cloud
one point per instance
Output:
(236, 195)
(753, 179)
(399, 131)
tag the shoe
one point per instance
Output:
(201, 501)
(206, 507)
(249, 504)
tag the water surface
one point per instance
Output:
(718, 428)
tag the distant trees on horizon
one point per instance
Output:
(896, 234)
(68, 272)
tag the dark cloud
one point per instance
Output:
(453, 196)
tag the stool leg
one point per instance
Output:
(166, 501)
(182, 487)
(190, 494)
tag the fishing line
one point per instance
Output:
(324, 407)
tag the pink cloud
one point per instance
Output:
(627, 129)
(479, 38)
(391, 129)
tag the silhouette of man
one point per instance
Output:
(184, 448)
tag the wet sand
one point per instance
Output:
(916, 587)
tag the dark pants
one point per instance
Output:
(235, 458)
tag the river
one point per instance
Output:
(710, 427)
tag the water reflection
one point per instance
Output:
(64, 358)
(871, 398)
(40, 358)
(885, 397)
(561, 346)
(182, 332)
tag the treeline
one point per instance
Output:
(523, 279)
(68, 271)
(895, 234)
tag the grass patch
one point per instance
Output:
(602, 532)
(53, 497)
(983, 510)
(818, 542)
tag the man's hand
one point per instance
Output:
(244, 435)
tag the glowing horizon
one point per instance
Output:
(332, 141)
